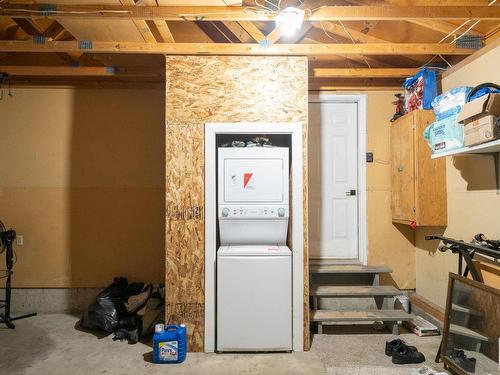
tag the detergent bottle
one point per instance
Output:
(169, 343)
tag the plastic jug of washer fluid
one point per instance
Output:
(169, 343)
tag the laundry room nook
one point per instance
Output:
(265, 187)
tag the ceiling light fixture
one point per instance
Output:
(289, 21)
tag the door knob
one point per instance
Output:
(350, 192)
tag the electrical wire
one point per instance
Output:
(353, 41)
(456, 38)
(336, 40)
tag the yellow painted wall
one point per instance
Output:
(82, 177)
(389, 244)
(473, 205)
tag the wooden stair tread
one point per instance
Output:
(467, 332)
(359, 316)
(355, 269)
(465, 309)
(353, 290)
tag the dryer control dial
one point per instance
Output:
(225, 212)
(281, 212)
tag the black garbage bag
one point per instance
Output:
(109, 308)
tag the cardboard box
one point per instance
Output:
(484, 129)
(480, 119)
(487, 105)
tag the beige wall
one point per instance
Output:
(473, 205)
(82, 178)
(389, 244)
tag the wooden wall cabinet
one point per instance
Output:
(418, 183)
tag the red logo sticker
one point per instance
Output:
(246, 179)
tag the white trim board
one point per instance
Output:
(360, 99)
(295, 130)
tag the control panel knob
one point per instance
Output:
(281, 212)
(225, 212)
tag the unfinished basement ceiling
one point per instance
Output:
(366, 40)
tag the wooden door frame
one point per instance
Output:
(360, 100)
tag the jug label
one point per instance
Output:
(168, 350)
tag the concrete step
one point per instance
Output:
(353, 291)
(349, 269)
(330, 316)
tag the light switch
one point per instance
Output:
(20, 240)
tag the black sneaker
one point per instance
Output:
(459, 357)
(391, 345)
(403, 355)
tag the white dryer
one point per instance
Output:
(254, 266)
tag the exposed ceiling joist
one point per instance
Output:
(364, 72)
(141, 25)
(29, 26)
(164, 31)
(253, 31)
(236, 48)
(81, 71)
(444, 27)
(55, 31)
(431, 24)
(222, 13)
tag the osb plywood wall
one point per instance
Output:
(216, 89)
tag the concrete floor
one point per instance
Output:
(50, 344)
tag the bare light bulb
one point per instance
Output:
(289, 21)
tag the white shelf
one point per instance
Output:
(483, 148)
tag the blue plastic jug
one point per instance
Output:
(169, 343)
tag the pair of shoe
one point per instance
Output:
(459, 357)
(401, 353)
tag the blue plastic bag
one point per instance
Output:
(482, 92)
(420, 90)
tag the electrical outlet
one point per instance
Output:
(20, 240)
(369, 157)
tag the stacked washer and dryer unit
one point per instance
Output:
(254, 265)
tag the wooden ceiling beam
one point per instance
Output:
(237, 48)
(357, 58)
(431, 24)
(253, 31)
(29, 26)
(141, 25)
(236, 13)
(82, 71)
(337, 29)
(444, 27)
(10, 32)
(364, 72)
(164, 31)
(55, 31)
(218, 32)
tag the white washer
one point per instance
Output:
(254, 298)
(254, 266)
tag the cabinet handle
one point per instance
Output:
(400, 169)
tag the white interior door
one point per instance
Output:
(333, 181)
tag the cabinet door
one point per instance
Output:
(403, 169)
